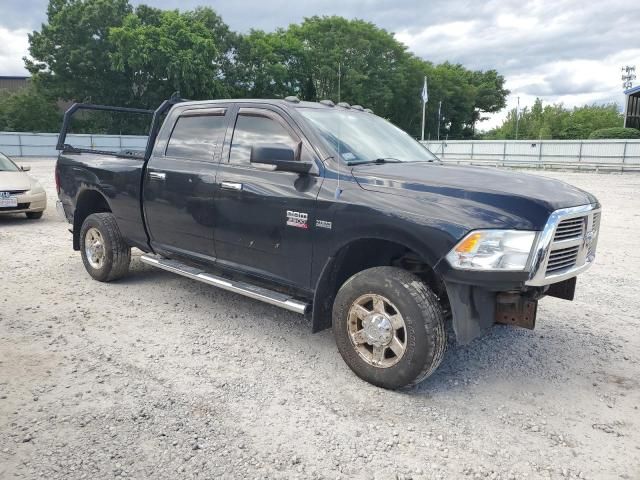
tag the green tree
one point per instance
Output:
(269, 65)
(557, 122)
(374, 69)
(28, 111)
(165, 51)
(71, 53)
(104, 51)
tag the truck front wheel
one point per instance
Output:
(105, 254)
(389, 327)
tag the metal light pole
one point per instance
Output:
(439, 118)
(425, 97)
(517, 118)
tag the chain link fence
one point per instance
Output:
(617, 155)
(16, 144)
(620, 155)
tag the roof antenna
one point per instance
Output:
(338, 191)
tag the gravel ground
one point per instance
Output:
(161, 377)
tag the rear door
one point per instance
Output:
(179, 185)
(264, 217)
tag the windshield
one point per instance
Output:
(7, 165)
(363, 137)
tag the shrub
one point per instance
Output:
(615, 132)
(28, 111)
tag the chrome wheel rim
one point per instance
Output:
(94, 248)
(377, 330)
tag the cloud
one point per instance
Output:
(566, 51)
(20, 14)
(13, 46)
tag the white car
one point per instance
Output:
(19, 193)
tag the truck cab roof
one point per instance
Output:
(286, 103)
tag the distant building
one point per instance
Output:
(632, 108)
(13, 83)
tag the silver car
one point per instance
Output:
(19, 193)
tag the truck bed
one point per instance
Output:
(117, 177)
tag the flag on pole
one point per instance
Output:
(425, 93)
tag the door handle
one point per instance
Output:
(231, 186)
(157, 175)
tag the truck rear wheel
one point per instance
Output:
(105, 254)
(389, 327)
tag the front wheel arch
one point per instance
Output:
(359, 255)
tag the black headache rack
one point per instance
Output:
(156, 122)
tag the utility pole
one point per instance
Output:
(517, 117)
(439, 117)
(339, 82)
(628, 76)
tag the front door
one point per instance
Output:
(264, 217)
(180, 184)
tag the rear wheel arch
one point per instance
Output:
(89, 201)
(360, 254)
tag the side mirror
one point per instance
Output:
(25, 168)
(282, 156)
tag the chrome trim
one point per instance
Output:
(231, 186)
(248, 290)
(157, 175)
(545, 245)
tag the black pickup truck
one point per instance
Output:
(330, 211)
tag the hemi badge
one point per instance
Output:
(323, 224)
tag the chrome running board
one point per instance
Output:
(252, 291)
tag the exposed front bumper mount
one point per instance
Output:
(516, 309)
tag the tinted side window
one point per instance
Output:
(195, 137)
(252, 130)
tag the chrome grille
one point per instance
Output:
(595, 229)
(562, 258)
(566, 246)
(570, 228)
(574, 243)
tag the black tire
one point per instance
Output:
(34, 215)
(423, 318)
(117, 254)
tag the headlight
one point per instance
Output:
(35, 187)
(493, 250)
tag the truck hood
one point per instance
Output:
(14, 181)
(482, 197)
(410, 179)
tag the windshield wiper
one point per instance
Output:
(377, 161)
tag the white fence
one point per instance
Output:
(587, 154)
(44, 144)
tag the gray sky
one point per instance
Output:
(566, 51)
